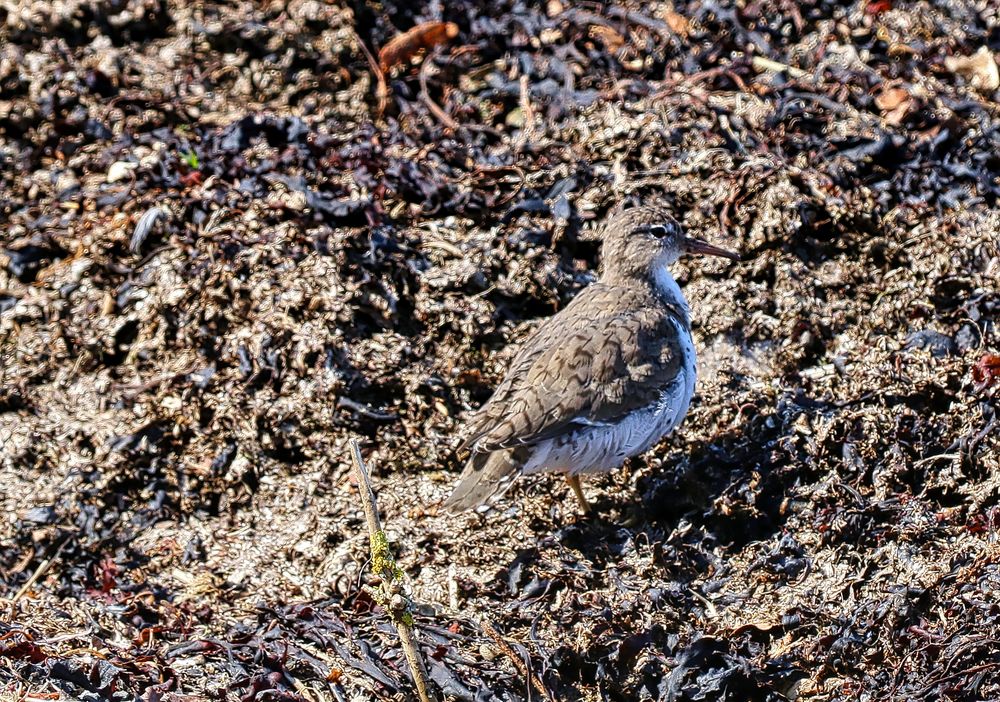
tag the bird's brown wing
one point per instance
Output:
(603, 356)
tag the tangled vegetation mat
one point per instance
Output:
(228, 247)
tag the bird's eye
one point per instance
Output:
(658, 230)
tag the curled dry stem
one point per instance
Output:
(382, 88)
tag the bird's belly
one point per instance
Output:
(605, 447)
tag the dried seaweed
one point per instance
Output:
(230, 243)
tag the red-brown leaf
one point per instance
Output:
(403, 47)
(986, 371)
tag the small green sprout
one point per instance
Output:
(191, 159)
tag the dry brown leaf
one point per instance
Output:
(895, 103)
(986, 371)
(677, 22)
(891, 98)
(423, 37)
(980, 69)
(611, 39)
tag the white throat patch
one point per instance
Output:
(671, 291)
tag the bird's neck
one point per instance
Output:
(657, 280)
(670, 292)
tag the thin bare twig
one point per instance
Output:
(527, 115)
(399, 606)
(39, 572)
(762, 63)
(533, 680)
(382, 89)
(435, 109)
(658, 26)
(425, 95)
(365, 411)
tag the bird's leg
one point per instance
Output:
(574, 482)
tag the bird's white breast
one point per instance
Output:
(604, 447)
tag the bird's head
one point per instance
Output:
(647, 236)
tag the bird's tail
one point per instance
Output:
(486, 475)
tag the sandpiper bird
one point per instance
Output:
(603, 379)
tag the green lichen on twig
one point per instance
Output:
(389, 595)
(396, 605)
(383, 563)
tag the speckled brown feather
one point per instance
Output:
(610, 351)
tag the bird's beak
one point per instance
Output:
(697, 246)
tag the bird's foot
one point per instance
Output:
(574, 482)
